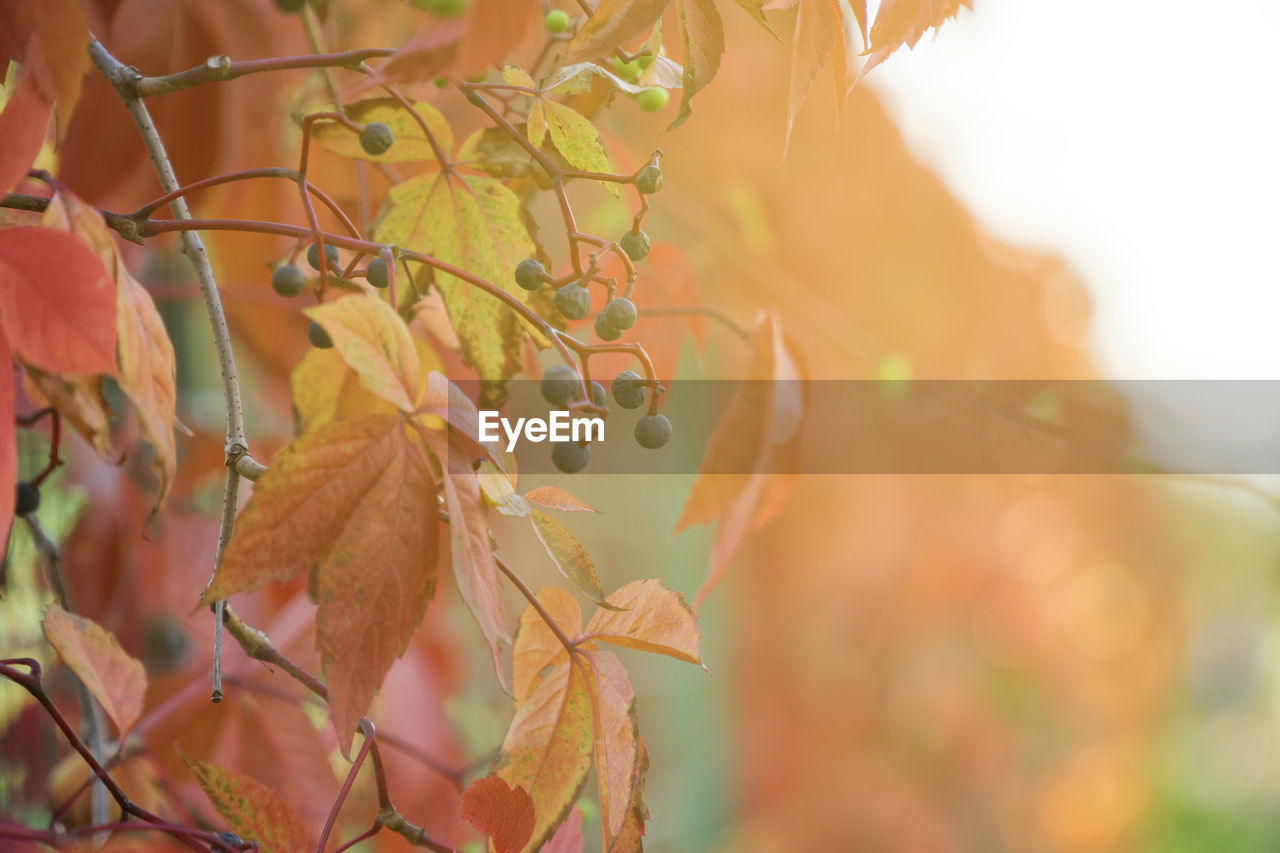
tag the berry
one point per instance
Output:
(377, 138)
(376, 272)
(597, 394)
(569, 456)
(653, 431)
(652, 99)
(635, 244)
(649, 180)
(288, 280)
(573, 301)
(318, 336)
(605, 330)
(290, 6)
(26, 500)
(559, 384)
(557, 21)
(628, 389)
(529, 274)
(619, 313)
(330, 254)
(628, 71)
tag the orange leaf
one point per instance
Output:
(354, 502)
(548, 747)
(494, 28)
(8, 449)
(116, 680)
(904, 22)
(56, 48)
(56, 304)
(503, 813)
(617, 733)
(376, 344)
(631, 839)
(430, 50)
(324, 389)
(536, 647)
(22, 127)
(611, 25)
(79, 400)
(650, 618)
(551, 497)
(252, 810)
(818, 25)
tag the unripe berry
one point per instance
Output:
(557, 21)
(26, 499)
(605, 330)
(559, 384)
(653, 431)
(597, 394)
(620, 313)
(330, 254)
(377, 138)
(636, 245)
(649, 180)
(569, 456)
(628, 71)
(529, 274)
(376, 272)
(318, 336)
(628, 389)
(652, 99)
(573, 301)
(288, 280)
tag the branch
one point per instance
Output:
(218, 68)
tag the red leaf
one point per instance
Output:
(429, 51)
(56, 48)
(116, 680)
(22, 127)
(57, 305)
(568, 838)
(8, 448)
(503, 813)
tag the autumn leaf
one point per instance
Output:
(493, 29)
(553, 497)
(325, 389)
(57, 306)
(431, 49)
(376, 344)
(56, 48)
(755, 8)
(115, 680)
(818, 26)
(502, 812)
(8, 448)
(650, 617)
(536, 646)
(23, 124)
(252, 810)
(631, 838)
(79, 401)
(548, 746)
(904, 22)
(568, 838)
(575, 137)
(617, 735)
(354, 503)
(410, 141)
(611, 25)
(702, 35)
(570, 558)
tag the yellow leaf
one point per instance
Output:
(376, 344)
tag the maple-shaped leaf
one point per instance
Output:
(536, 647)
(353, 502)
(51, 38)
(472, 222)
(650, 617)
(376, 344)
(612, 24)
(147, 366)
(569, 556)
(502, 812)
(553, 497)
(410, 142)
(904, 22)
(57, 305)
(117, 681)
(471, 553)
(573, 135)
(617, 733)
(252, 810)
(764, 415)
(702, 36)
(548, 747)
(23, 124)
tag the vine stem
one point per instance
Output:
(126, 80)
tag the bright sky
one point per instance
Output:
(1141, 141)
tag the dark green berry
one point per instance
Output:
(605, 330)
(569, 456)
(620, 313)
(597, 394)
(288, 280)
(376, 272)
(559, 384)
(557, 21)
(653, 431)
(649, 180)
(290, 6)
(377, 138)
(529, 274)
(628, 389)
(573, 301)
(330, 254)
(635, 244)
(318, 336)
(26, 500)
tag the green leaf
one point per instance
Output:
(570, 558)
(576, 138)
(702, 34)
(410, 143)
(252, 810)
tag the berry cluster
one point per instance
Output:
(561, 387)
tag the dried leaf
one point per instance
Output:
(570, 558)
(536, 647)
(650, 617)
(115, 680)
(552, 497)
(617, 733)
